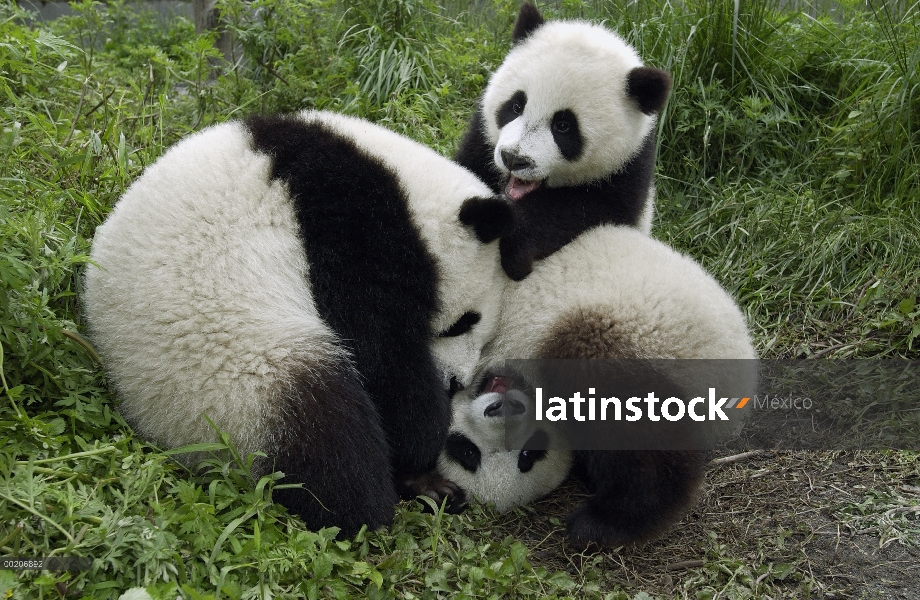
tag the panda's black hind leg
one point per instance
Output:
(327, 436)
(636, 494)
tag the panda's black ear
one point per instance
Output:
(527, 20)
(490, 218)
(650, 87)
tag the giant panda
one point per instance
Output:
(566, 127)
(312, 284)
(612, 293)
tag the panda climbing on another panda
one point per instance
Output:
(566, 128)
(613, 293)
(311, 283)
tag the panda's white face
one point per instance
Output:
(457, 349)
(560, 111)
(468, 321)
(476, 455)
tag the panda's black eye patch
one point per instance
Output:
(534, 450)
(463, 325)
(511, 109)
(566, 134)
(462, 449)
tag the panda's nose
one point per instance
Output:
(504, 406)
(513, 162)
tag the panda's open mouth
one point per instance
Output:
(518, 188)
(497, 384)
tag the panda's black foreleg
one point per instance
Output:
(414, 409)
(636, 494)
(327, 435)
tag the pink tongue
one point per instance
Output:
(498, 385)
(518, 188)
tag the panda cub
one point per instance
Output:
(488, 419)
(310, 283)
(613, 293)
(566, 127)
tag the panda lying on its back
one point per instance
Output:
(613, 293)
(311, 283)
(476, 455)
(566, 127)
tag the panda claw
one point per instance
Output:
(456, 502)
(434, 486)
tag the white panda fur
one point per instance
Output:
(586, 79)
(654, 300)
(615, 293)
(273, 274)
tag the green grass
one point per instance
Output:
(788, 166)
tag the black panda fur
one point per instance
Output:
(373, 280)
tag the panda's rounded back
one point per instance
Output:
(657, 302)
(197, 294)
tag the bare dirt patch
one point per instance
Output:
(789, 525)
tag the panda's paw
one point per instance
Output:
(436, 487)
(516, 261)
